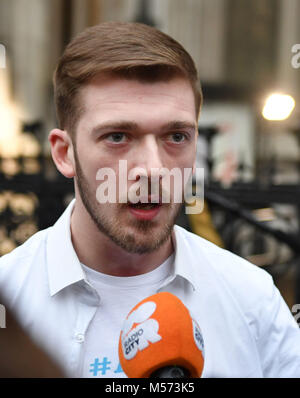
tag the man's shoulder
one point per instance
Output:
(238, 283)
(235, 271)
(17, 263)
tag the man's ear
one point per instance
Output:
(62, 152)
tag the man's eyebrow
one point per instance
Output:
(120, 125)
(178, 124)
(130, 125)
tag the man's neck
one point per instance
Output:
(97, 251)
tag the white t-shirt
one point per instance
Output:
(118, 295)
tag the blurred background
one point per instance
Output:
(249, 129)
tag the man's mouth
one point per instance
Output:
(147, 203)
(144, 206)
(144, 211)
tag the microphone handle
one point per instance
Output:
(171, 372)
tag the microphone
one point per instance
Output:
(160, 339)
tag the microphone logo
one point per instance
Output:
(137, 338)
(198, 336)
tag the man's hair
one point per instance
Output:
(129, 50)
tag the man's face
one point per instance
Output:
(148, 125)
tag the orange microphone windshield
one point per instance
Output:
(159, 332)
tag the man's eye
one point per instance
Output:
(178, 137)
(116, 137)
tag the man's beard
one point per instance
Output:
(114, 230)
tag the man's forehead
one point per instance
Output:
(113, 93)
(108, 84)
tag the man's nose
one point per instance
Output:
(149, 156)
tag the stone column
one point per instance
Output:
(199, 25)
(31, 32)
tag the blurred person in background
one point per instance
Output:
(20, 357)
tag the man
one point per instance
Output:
(127, 92)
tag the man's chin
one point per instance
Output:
(138, 246)
(142, 239)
